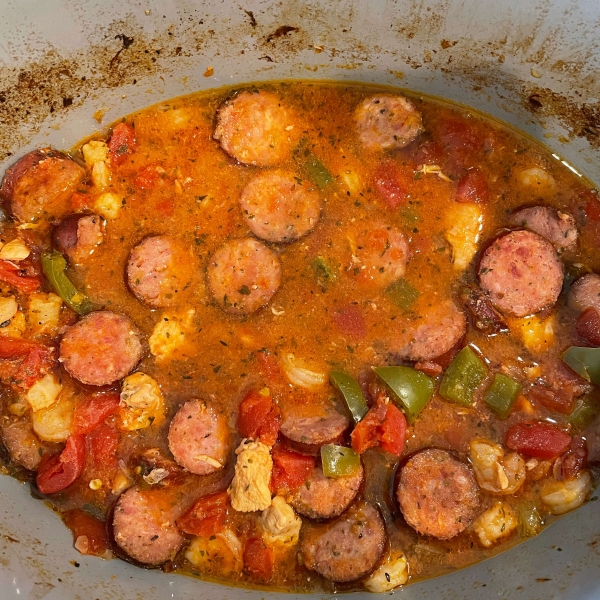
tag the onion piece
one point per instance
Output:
(300, 376)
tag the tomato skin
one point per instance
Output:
(350, 321)
(38, 360)
(121, 143)
(366, 433)
(384, 425)
(206, 517)
(9, 274)
(14, 347)
(259, 418)
(258, 559)
(82, 524)
(62, 470)
(588, 326)
(393, 431)
(148, 176)
(538, 439)
(556, 400)
(92, 411)
(102, 444)
(290, 469)
(392, 184)
(473, 187)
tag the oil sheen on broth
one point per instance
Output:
(301, 336)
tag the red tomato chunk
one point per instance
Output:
(92, 411)
(259, 418)
(588, 326)
(290, 469)
(538, 439)
(121, 143)
(258, 559)
(89, 534)
(60, 471)
(385, 426)
(206, 517)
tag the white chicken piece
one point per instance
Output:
(43, 312)
(495, 523)
(464, 223)
(168, 334)
(249, 489)
(142, 402)
(222, 551)
(280, 523)
(391, 574)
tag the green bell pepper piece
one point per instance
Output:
(464, 375)
(412, 389)
(54, 265)
(350, 390)
(339, 461)
(323, 271)
(501, 395)
(530, 521)
(584, 412)
(584, 361)
(402, 294)
(317, 171)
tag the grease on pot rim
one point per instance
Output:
(266, 301)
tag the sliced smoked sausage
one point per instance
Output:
(279, 207)
(257, 129)
(521, 273)
(347, 549)
(199, 438)
(321, 497)
(585, 293)
(41, 183)
(557, 226)
(243, 275)
(437, 493)
(101, 348)
(144, 526)
(387, 121)
(78, 235)
(313, 426)
(155, 271)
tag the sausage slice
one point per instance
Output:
(153, 273)
(279, 207)
(144, 527)
(321, 497)
(41, 183)
(243, 275)
(346, 549)
(386, 122)
(22, 444)
(78, 235)
(437, 493)
(256, 129)
(101, 348)
(320, 426)
(585, 293)
(521, 273)
(557, 226)
(199, 438)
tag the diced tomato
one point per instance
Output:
(166, 207)
(38, 360)
(62, 470)
(148, 176)
(269, 367)
(102, 443)
(555, 399)
(14, 275)
(350, 321)
(91, 411)
(393, 431)
(11, 347)
(393, 183)
(588, 326)
(426, 153)
(428, 367)
(121, 143)
(259, 417)
(80, 201)
(538, 439)
(592, 206)
(473, 187)
(575, 459)
(384, 425)
(206, 517)
(258, 559)
(89, 534)
(290, 469)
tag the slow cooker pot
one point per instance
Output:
(67, 69)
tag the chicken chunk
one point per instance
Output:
(249, 490)
(280, 523)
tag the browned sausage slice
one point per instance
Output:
(521, 273)
(156, 271)
(585, 293)
(101, 348)
(313, 426)
(437, 493)
(41, 184)
(346, 549)
(439, 330)
(144, 527)
(199, 438)
(22, 444)
(557, 226)
(78, 235)
(256, 129)
(243, 275)
(279, 207)
(321, 497)
(386, 122)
